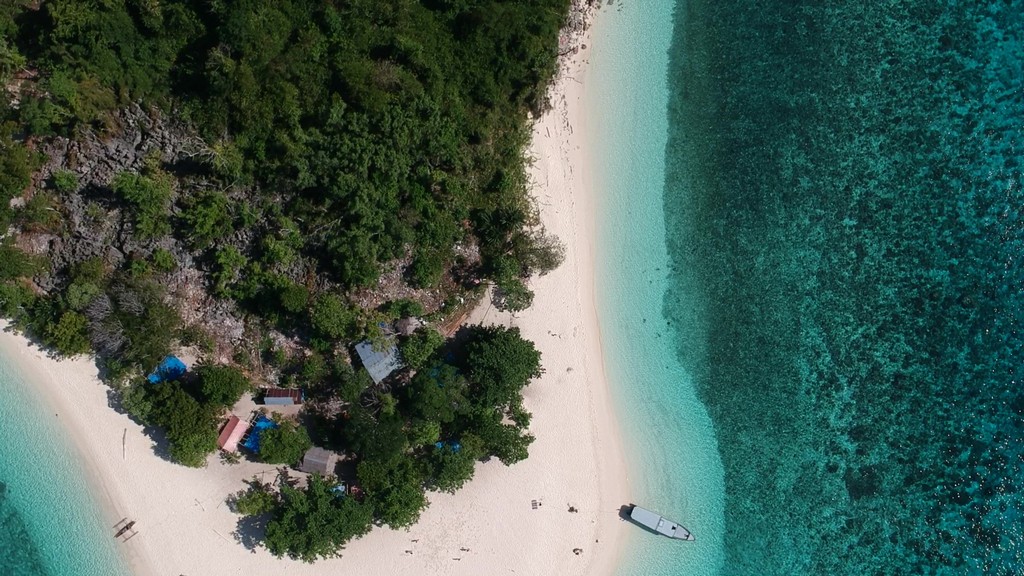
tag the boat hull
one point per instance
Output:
(659, 524)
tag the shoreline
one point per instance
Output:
(577, 460)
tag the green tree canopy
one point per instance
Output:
(315, 522)
(499, 363)
(190, 426)
(436, 394)
(332, 318)
(420, 346)
(395, 488)
(285, 444)
(221, 385)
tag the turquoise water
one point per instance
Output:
(667, 431)
(49, 523)
(811, 282)
(843, 194)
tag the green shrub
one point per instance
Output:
(149, 200)
(65, 181)
(294, 297)
(69, 336)
(209, 218)
(163, 260)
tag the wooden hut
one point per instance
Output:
(319, 460)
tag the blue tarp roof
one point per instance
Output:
(171, 368)
(252, 441)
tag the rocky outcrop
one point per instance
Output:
(137, 134)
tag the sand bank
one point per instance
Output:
(507, 520)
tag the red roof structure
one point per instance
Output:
(232, 434)
(282, 396)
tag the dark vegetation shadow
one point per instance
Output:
(251, 531)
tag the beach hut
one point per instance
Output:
(282, 396)
(379, 363)
(170, 368)
(319, 460)
(232, 434)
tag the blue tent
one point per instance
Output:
(171, 368)
(252, 440)
(452, 445)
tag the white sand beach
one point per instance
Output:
(491, 526)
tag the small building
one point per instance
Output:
(380, 364)
(319, 460)
(232, 434)
(170, 368)
(282, 396)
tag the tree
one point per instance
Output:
(332, 318)
(222, 385)
(436, 394)
(255, 500)
(420, 346)
(69, 336)
(450, 470)
(499, 363)
(190, 426)
(509, 442)
(285, 444)
(137, 402)
(395, 488)
(382, 438)
(315, 522)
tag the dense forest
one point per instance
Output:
(270, 182)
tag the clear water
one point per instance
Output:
(49, 523)
(670, 439)
(822, 374)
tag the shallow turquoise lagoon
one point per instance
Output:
(670, 443)
(49, 523)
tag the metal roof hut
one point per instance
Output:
(282, 396)
(232, 434)
(379, 364)
(319, 460)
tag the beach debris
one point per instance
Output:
(573, 509)
(536, 504)
(577, 551)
